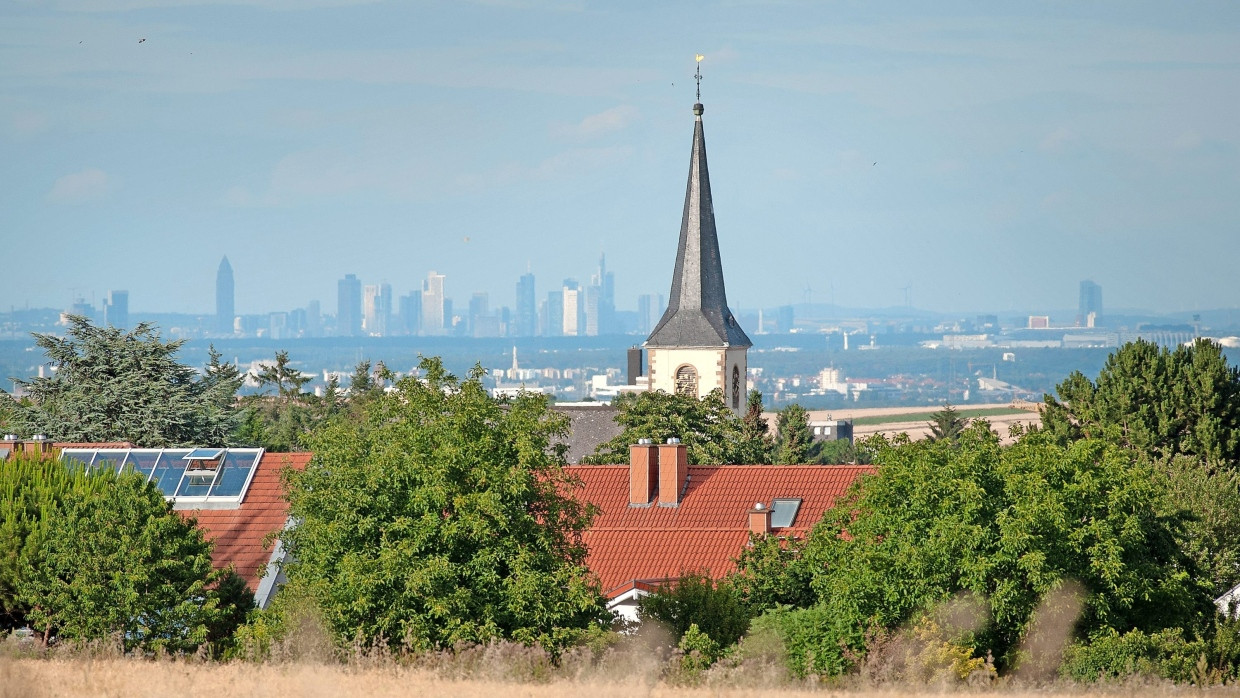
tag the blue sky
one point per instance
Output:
(988, 156)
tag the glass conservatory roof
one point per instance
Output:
(185, 476)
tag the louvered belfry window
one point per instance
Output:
(686, 381)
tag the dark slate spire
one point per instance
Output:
(697, 309)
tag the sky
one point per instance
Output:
(970, 156)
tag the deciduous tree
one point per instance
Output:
(115, 563)
(436, 516)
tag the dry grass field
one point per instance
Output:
(36, 678)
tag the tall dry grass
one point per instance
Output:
(26, 677)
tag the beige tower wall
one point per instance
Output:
(713, 365)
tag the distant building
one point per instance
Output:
(649, 310)
(600, 301)
(349, 306)
(1089, 309)
(699, 346)
(409, 312)
(225, 310)
(1039, 322)
(527, 307)
(784, 319)
(570, 322)
(116, 310)
(552, 320)
(314, 320)
(434, 319)
(377, 309)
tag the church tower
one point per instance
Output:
(698, 346)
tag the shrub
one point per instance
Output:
(695, 600)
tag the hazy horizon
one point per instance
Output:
(979, 156)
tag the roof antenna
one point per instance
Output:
(697, 77)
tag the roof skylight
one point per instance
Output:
(203, 477)
(784, 512)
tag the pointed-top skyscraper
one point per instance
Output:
(225, 311)
(698, 346)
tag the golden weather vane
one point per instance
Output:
(698, 76)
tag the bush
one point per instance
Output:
(695, 600)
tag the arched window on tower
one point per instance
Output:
(736, 387)
(687, 381)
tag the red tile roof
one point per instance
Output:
(239, 533)
(710, 527)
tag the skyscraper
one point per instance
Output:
(349, 306)
(225, 311)
(377, 309)
(600, 301)
(433, 317)
(573, 309)
(527, 311)
(649, 310)
(1089, 310)
(554, 314)
(116, 310)
(410, 313)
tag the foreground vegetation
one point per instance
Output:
(435, 532)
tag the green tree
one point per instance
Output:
(715, 608)
(794, 443)
(437, 516)
(1007, 525)
(111, 385)
(32, 490)
(756, 445)
(712, 433)
(280, 421)
(115, 563)
(1159, 402)
(947, 424)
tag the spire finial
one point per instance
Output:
(697, 77)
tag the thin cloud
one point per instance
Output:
(80, 187)
(603, 123)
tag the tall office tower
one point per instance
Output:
(349, 307)
(409, 313)
(1089, 311)
(573, 308)
(314, 320)
(482, 322)
(649, 310)
(225, 310)
(479, 306)
(554, 314)
(377, 309)
(116, 310)
(527, 312)
(592, 303)
(604, 306)
(433, 317)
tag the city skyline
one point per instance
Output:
(955, 156)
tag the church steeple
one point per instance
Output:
(697, 311)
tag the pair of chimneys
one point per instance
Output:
(657, 469)
(37, 445)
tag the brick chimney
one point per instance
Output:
(643, 472)
(673, 471)
(38, 445)
(760, 519)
